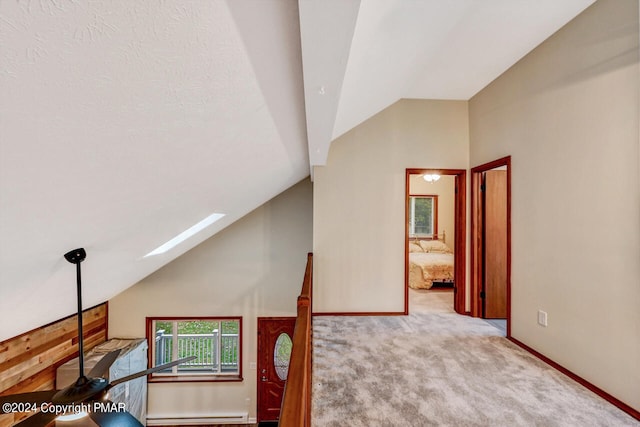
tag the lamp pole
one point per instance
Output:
(76, 256)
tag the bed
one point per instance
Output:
(430, 261)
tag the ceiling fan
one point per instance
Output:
(90, 392)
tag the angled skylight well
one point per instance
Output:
(185, 234)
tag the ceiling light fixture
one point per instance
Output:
(431, 177)
(185, 234)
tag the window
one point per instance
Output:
(215, 341)
(423, 211)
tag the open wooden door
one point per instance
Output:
(494, 194)
(275, 336)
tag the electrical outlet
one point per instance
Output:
(542, 318)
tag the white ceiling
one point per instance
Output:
(380, 51)
(125, 122)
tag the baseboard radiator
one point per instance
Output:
(197, 420)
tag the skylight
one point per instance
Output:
(185, 234)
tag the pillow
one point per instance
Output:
(436, 246)
(414, 247)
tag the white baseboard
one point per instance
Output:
(196, 420)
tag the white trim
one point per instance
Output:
(412, 215)
(200, 419)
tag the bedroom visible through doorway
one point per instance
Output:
(434, 233)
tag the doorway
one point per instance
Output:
(275, 336)
(491, 241)
(434, 228)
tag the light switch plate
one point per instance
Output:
(542, 318)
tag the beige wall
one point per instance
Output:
(252, 268)
(445, 189)
(359, 201)
(568, 115)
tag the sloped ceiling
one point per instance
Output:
(125, 122)
(369, 54)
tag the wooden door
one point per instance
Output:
(275, 335)
(495, 244)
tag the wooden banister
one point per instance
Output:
(306, 283)
(296, 402)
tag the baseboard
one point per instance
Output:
(359, 313)
(196, 420)
(606, 396)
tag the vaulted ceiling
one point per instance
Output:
(125, 122)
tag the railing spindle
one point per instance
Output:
(213, 351)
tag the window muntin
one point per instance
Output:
(215, 341)
(423, 211)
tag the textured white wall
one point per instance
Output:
(568, 115)
(125, 122)
(251, 269)
(359, 201)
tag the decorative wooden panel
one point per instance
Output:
(29, 361)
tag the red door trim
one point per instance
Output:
(460, 226)
(476, 237)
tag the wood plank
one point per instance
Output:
(33, 353)
(36, 364)
(24, 348)
(29, 361)
(14, 347)
(6, 420)
(14, 373)
(41, 381)
(9, 348)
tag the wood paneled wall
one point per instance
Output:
(29, 361)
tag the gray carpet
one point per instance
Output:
(436, 368)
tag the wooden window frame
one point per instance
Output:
(191, 377)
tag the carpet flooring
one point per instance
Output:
(437, 368)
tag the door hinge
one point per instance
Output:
(483, 187)
(482, 294)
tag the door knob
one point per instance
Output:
(263, 378)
